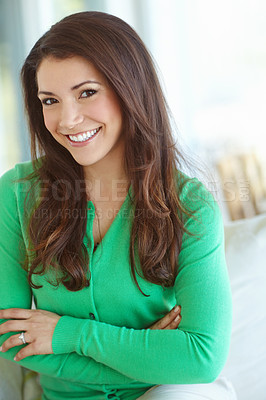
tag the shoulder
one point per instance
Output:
(203, 236)
(201, 210)
(191, 189)
(17, 181)
(19, 171)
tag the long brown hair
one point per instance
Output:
(151, 159)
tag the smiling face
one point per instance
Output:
(81, 111)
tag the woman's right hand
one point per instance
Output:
(169, 321)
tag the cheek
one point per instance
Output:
(49, 121)
(115, 110)
(112, 111)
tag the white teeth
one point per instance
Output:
(84, 136)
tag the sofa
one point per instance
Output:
(245, 247)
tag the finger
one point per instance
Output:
(27, 351)
(32, 349)
(15, 313)
(12, 341)
(175, 323)
(13, 326)
(168, 318)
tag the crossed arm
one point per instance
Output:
(39, 326)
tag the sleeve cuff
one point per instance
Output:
(68, 333)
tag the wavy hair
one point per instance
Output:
(152, 160)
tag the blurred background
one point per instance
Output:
(211, 59)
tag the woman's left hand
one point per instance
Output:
(38, 327)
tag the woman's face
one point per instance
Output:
(80, 110)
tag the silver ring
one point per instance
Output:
(22, 337)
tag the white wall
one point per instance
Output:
(211, 56)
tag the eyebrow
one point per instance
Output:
(73, 88)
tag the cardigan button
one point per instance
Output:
(92, 316)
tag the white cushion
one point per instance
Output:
(245, 244)
(220, 389)
(11, 378)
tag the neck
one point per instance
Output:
(107, 181)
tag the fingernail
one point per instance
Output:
(177, 308)
(15, 358)
(177, 318)
(1, 348)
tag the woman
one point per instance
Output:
(106, 232)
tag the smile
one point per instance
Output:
(83, 137)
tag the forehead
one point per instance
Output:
(70, 71)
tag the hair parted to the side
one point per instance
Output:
(151, 158)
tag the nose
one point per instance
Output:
(71, 116)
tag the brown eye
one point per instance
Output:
(49, 101)
(87, 93)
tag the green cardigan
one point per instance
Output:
(100, 344)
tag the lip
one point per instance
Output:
(82, 144)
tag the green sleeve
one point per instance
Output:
(197, 351)
(16, 293)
